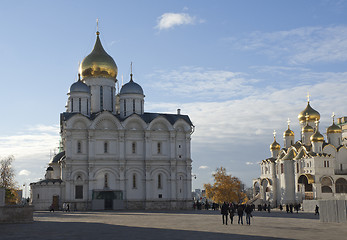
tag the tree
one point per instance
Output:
(225, 188)
(7, 180)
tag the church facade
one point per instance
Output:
(113, 154)
(312, 168)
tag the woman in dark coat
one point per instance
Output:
(232, 213)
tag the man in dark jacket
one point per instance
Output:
(225, 211)
(240, 213)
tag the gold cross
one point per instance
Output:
(308, 96)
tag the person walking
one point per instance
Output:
(268, 208)
(287, 208)
(240, 214)
(248, 211)
(225, 211)
(316, 211)
(232, 213)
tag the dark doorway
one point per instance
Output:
(108, 200)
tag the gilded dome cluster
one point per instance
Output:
(98, 63)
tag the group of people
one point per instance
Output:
(229, 210)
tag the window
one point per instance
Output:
(297, 167)
(341, 166)
(105, 147)
(125, 107)
(112, 100)
(133, 105)
(101, 98)
(179, 146)
(160, 196)
(79, 148)
(72, 105)
(106, 181)
(133, 147)
(79, 104)
(327, 163)
(134, 180)
(38, 196)
(159, 182)
(159, 148)
(282, 168)
(298, 188)
(79, 192)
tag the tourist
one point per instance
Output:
(268, 208)
(232, 213)
(281, 207)
(316, 211)
(287, 208)
(51, 208)
(240, 213)
(291, 208)
(248, 211)
(225, 211)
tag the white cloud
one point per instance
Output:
(170, 20)
(298, 46)
(203, 167)
(24, 173)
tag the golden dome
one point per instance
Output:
(307, 128)
(275, 145)
(313, 114)
(288, 133)
(317, 137)
(98, 63)
(334, 129)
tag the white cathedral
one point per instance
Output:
(311, 168)
(113, 154)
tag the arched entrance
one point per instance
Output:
(326, 183)
(306, 181)
(341, 185)
(266, 189)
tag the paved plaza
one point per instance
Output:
(171, 225)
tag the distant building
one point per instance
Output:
(342, 122)
(311, 168)
(115, 155)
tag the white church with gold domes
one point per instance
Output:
(312, 168)
(114, 155)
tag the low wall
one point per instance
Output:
(309, 205)
(2, 196)
(16, 214)
(332, 210)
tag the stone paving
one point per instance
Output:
(171, 225)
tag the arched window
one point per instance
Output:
(79, 147)
(133, 105)
(159, 148)
(105, 147)
(79, 105)
(106, 180)
(125, 107)
(341, 185)
(282, 168)
(134, 180)
(133, 147)
(101, 98)
(71, 104)
(159, 182)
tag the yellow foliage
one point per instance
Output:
(225, 188)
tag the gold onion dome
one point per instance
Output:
(317, 137)
(313, 114)
(98, 63)
(334, 129)
(288, 133)
(308, 128)
(275, 145)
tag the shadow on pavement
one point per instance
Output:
(81, 230)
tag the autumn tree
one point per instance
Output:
(7, 180)
(225, 188)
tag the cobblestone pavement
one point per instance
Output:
(171, 225)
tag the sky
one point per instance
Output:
(239, 69)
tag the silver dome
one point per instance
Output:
(79, 86)
(131, 88)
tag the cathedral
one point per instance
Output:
(312, 168)
(113, 154)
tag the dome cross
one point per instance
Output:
(333, 116)
(308, 96)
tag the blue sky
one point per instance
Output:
(239, 69)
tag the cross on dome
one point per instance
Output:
(308, 96)
(274, 133)
(288, 121)
(333, 116)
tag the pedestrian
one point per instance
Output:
(51, 208)
(281, 207)
(287, 208)
(268, 208)
(224, 211)
(248, 211)
(316, 211)
(240, 214)
(232, 213)
(68, 207)
(291, 208)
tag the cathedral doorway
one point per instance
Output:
(306, 181)
(55, 202)
(107, 200)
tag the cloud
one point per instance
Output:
(203, 167)
(170, 20)
(24, 173)
(298, 46)
(250, 163)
